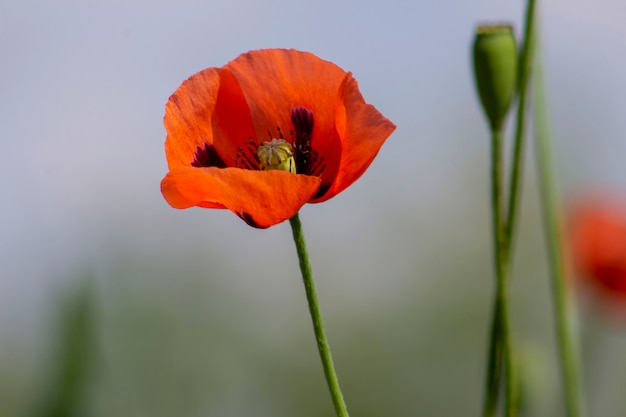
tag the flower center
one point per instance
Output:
(276, 154)
(295, 155)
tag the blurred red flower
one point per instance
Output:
(218, 118)
(597, 236)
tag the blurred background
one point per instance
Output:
(113, 303)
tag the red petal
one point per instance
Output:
(188, 117)
(362, 131)
(209, 107)
(261, 198)
(232, 122)
(275, 81)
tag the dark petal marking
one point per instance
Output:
(246, 217)
(207, 156)
(322, 190)
(302, 119)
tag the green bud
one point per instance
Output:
(495, 69)
(276, 154)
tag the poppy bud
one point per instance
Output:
(495, 69)
(276, 154)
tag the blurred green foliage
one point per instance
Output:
(181, 334)
(73, 357)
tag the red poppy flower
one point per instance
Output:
(598, 243)
(218, 118)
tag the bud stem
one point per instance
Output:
(499, 341)
(316, 317)
(495, 358)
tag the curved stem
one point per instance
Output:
(318, 326)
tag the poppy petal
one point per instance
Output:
(261, 198)
(232, 123)
(275, 81)
(188, 117)
(208, 108)
(362, 131)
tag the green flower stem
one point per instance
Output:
(568, 356)
(316, 317)
(494, 362)
(500, 345)
(525, 66)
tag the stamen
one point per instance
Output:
(317, 166)
(246, 157)
(297, 156)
